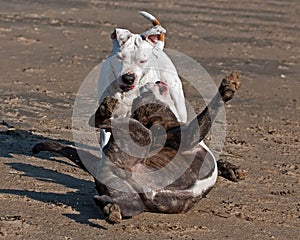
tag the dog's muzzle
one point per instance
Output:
(127, 81)
(128, 78)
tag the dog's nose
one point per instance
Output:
(128, 78)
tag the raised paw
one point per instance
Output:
(230, 171)
(230, 84)
(104, 112)
(112, 213)
(107, 107)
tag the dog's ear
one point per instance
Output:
(156, 36)
(119, 37)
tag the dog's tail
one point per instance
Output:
(150, 17)
(155, 22)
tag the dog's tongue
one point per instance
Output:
(127, 88)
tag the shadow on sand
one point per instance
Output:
(19, 142)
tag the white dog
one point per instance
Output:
(137, 59)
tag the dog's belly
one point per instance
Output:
(178, 201)
(173, 200)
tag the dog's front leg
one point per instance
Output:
(229, 85)
(104, 112)
(191, 134)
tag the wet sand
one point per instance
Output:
(48, 47)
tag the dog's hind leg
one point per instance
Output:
(69, 152)
(115, 205)
(76, 155)
(119, 205)
(111, 211)
(230, 171)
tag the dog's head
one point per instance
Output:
(154, 105)
(134, 53)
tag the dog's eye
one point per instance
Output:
(143, 61)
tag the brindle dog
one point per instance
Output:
(153, 126)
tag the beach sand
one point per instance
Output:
(48, 47)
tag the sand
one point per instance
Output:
(48, 47)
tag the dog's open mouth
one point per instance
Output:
(126, 88)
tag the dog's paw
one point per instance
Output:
(104, 112)
(107, 107)
(230, 171)
(112, 213)
(230, 84)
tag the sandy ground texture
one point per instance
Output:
(48, 47)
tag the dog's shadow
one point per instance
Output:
(19, 142)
